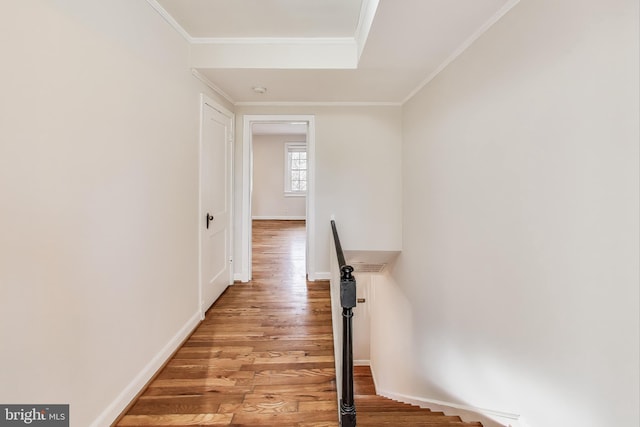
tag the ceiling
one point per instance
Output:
(265, 18)
(326, 51)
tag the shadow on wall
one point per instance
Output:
(397, 361)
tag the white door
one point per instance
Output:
(215, 203)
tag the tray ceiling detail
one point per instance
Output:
(326, 51)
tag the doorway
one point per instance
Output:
(251, 122)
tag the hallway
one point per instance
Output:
(262, 356)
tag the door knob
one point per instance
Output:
(209, 219)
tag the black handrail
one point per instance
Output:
(336, 240)
(347, 301)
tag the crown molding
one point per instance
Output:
(365, 21)
(267, 40)
(167, 17)
(318, 104)
(464, 46)
(197, 74)
(324, 52)
(274, 40)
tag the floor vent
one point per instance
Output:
(361, 267)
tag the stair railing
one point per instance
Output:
(347, 301)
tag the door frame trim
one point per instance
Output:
(204, 101)
(247, 179)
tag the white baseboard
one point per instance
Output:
(279, 218)
(361, 363)
(243, 277)
(116, 407)
(488, 417)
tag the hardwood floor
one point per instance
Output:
(263, 356)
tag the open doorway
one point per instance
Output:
(280, 171)
(278, 179)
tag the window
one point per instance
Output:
(295, 178)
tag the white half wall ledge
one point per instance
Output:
(109, 415)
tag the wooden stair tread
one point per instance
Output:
(378, 411)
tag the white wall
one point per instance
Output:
(519, 274)
(362, 319)
(99, 191)
(268, 199)
(358, 176)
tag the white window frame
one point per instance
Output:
(288, 148)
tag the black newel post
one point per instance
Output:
(348, 301)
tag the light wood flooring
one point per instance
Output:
(263, 356)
